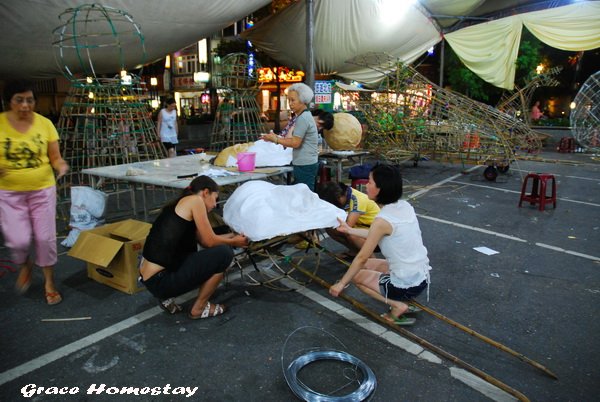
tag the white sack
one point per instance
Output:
(267, 154)
(262, 210)
(87, 211)
(92, 201)
(270, 154)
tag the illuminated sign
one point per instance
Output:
(268, 74)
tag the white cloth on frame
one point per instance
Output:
(270, 154)
(262, 210)
(267, 154)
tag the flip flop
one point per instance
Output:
(53, 298)
(22, 286)
(411, 309)
(401, 321)
(218, 310)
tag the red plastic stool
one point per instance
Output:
(566, 144)
(538, 190)
(358, 182)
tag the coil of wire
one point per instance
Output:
(366, 387)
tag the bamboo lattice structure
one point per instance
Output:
(516, 103)
(585, 117)
(238, 119)
(103, 121)
(409, 117)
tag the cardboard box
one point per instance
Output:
(113, 253)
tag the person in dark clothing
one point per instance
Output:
(173, 265)
(323, 119)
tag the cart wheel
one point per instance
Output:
(490, 173)
(503, 169)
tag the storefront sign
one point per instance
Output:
(186, 82)
(322, 92)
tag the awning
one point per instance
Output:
(167, 26)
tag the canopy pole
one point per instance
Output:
(310, 57)
(442, 51)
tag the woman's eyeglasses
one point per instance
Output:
(18, 100)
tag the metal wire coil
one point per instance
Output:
(367, 386)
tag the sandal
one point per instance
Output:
(53, 298)
(218, 310)
(23, 282)
(402, 320)
(412, 309)
(170, 306)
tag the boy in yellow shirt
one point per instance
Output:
(360, 209)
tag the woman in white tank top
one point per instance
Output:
(404, 273)
(167, 126)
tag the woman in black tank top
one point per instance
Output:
(172, 263)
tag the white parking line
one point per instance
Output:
(518, 192)
(89, 340)
(439, 183)
(562, 250)
(375, 328)
(583, 178)
(72, 347)
(558, 175)
(491, 232)
(476, 229)
(509, 237)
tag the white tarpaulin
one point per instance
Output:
(262, 210)
(346, 32)
(490, 49)
(345, 29)
(167, 26)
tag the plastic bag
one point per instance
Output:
(87, 211)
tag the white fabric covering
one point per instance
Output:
(270, 154)
(267, 154)
(263, 210)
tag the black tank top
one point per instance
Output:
(170, 240)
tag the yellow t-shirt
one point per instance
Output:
(360, 203)
(24, 156)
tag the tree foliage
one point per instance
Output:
(528, 58)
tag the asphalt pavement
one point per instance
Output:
(533, 286)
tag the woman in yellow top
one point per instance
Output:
(360, 209)
(29, 152)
